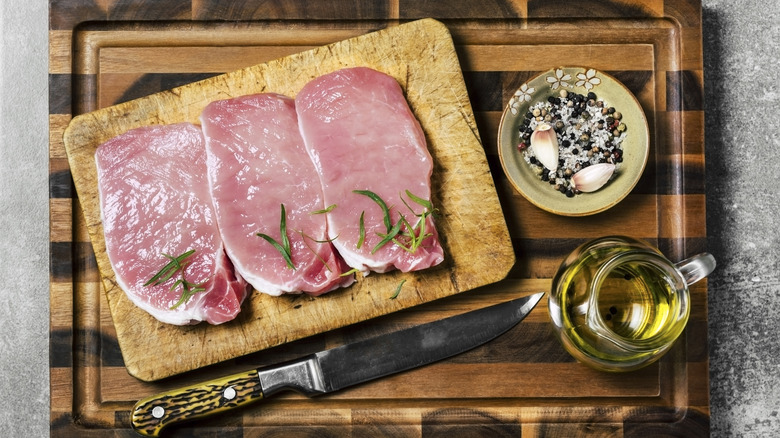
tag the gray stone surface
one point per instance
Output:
(742, 66)
(742, 62)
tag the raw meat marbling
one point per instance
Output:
(256, 163)
(155, 200)
(362, 135)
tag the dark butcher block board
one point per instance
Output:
(108, 53)
(478, 250)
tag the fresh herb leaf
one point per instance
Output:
(284, 247)
(328, 209)
(279, 248)
(188, 290)
(362, 236)
(424, 202)
(350, 272)
(175, 265)
(305, 236)
(398, 290)
(389, 236)
(283, 232)
(381, 203)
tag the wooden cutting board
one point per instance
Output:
(523, 383)
(421, 56)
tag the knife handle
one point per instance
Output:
(152, 414)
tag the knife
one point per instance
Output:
(336, 368)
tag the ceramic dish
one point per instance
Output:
(578, 80)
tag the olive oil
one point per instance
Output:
(617, 304)
(634, 301)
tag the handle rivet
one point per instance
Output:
(229, 393)
(158, 412)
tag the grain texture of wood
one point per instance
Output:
(421, 56)
(523, 383)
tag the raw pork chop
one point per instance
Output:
(257, 163)
(155, 200)
(361, 135)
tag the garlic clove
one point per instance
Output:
(544, 143)
(593, 177)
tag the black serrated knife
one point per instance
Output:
(334, 369)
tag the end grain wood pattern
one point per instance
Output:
(522, 384)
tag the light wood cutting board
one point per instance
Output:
(422, 57)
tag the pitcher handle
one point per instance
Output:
(697, 267)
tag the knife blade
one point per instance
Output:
(334, 369)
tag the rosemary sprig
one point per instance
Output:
(350, 272)
(284, 247)
(305, 236)
(398, 290)
(327, 209)
(188, 290)
(177, 265)
(389, 236)
(382, 205)
(411, 238)
(424, 202)
(362, 226)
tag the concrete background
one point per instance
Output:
(742, 62)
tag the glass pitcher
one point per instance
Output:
(617, 304)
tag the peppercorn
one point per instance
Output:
(611, 110)
(532, 160)
(617, 115)
(566, 143)
(616, 133)
(564, 93)
(575, 151)
(570, 103)
(536, 112)
(584, 137)
(621, 127)
(569, 193)
(591, 95)
(559, 125)
(522, 146)
(548, 118)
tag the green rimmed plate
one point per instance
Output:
(580, 80)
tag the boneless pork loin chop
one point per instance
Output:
(374, 165)
(257, 165)
(157, 213)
